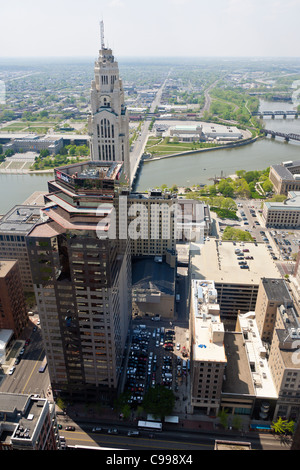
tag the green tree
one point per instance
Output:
(223, 416)
(283, 426)
(226, 188)
(159, 401)
(44, 153)
(44, 114)
(267, 186)
(9, 152)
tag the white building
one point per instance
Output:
(207, 348)
(108, 123)
(283, 214)
(218, 132)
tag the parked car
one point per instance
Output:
(11, 370)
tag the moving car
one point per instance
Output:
(112, 431)
(133, 433)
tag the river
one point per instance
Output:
(14, 189)
(201, 167)
(198, 168)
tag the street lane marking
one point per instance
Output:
(23, 391)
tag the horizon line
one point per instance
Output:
(152, 57)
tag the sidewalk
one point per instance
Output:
(189, 423)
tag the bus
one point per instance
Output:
(43, 366)
(149, 426)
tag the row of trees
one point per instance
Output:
(242, 186)
(158, 401)
(68, 154)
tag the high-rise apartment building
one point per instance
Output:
(108, 123)
(13, 312)
(82, 281)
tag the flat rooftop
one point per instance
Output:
(257, 359)
(276, 290)
(5, 266)
(238, 375)
(208, 330)
(20, 219)
(153, 276)
(89, 170)
(23, 412)
(291, 203)
(210, 260)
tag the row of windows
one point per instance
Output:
(106, 130)
(107, 152)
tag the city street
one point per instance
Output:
(26, 378)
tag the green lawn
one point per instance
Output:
(175, 147)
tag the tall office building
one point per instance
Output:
(82, 281)
(108, 122)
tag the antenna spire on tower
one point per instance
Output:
(102, 34)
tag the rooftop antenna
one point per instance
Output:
(102, 34)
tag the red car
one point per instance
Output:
(27, 342)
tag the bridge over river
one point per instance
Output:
(273, 114)
(286, 137)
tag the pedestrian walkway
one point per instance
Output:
(187, 422)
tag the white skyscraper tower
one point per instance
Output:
(108, 123)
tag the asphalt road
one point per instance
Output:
(165, 441)
(26, 378)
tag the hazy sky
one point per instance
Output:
(157, 28)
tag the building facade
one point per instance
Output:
(284, 363)
(27, 423)
(14, 227)
(208, 359)
(108, 123)
(82, 281)
(283, 214)
(285, 177)
(13, 312)
(35, 144)
(271, 294)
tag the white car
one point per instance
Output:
(178, 346)
(11, 370)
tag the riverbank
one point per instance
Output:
(209, 149)
(7, 171)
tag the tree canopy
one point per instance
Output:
(159, 401)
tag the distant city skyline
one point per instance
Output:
(162, 28)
